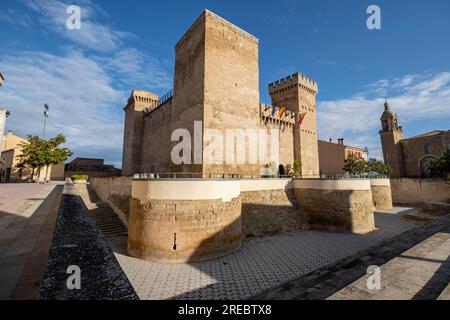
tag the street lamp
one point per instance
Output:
(46, 109)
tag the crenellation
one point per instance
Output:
(293, 82)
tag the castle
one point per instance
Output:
(180, 206)
(413, 156)
(216, 82)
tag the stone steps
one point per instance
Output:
(107, 221)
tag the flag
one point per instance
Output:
(274, 109)
(300, 119)
(281, 112)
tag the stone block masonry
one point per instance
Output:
(184, 230)
(336, 205)
(381, 193)
(270, 212)
(216, 82)
(419, 191)
(179, 220)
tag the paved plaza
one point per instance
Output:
(420, 273)
(260, 264)
(27, 215)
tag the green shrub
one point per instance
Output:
(80, 177)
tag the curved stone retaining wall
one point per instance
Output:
(184, 220)
(269, 207)
(381, 193)
(336, 205)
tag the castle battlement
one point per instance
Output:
(142, 97)
(292, 81)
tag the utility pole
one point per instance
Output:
(46, 109)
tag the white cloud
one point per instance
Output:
(93, 34)
(134, 67)
(14, 17)
(413, 97)
(329, 63)
(85, 92)
(83, 103)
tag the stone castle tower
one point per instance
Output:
(133, 131)
(216, 84)
(391, 136)
(297, 93)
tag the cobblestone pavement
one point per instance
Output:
(78, 242)
(260, 264)
(27, 215)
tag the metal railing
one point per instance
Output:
(162, 100)
(199, 175)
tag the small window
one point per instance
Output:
(428, 149)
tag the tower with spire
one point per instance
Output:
(391, 135)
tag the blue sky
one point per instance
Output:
(86, 75)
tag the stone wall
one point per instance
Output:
(270, 212)
(231, 88)
(184, 230)
(336, 205)
(419, 191)
(178, 220)
(381, 193)
(116, 192)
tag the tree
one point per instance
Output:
(377, 166)
(38, 153)
(297, 167)
(32, 154)
(355, 165)
(53, 154)
(441, 167)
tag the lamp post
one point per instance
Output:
(46, 109)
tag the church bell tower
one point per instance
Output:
(391, 135)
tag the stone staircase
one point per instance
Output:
(107, 221)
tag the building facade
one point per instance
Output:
(3, 115)
(216, 88)
(91, 167)
(410, 157)
(332, 156)
(10, 171)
